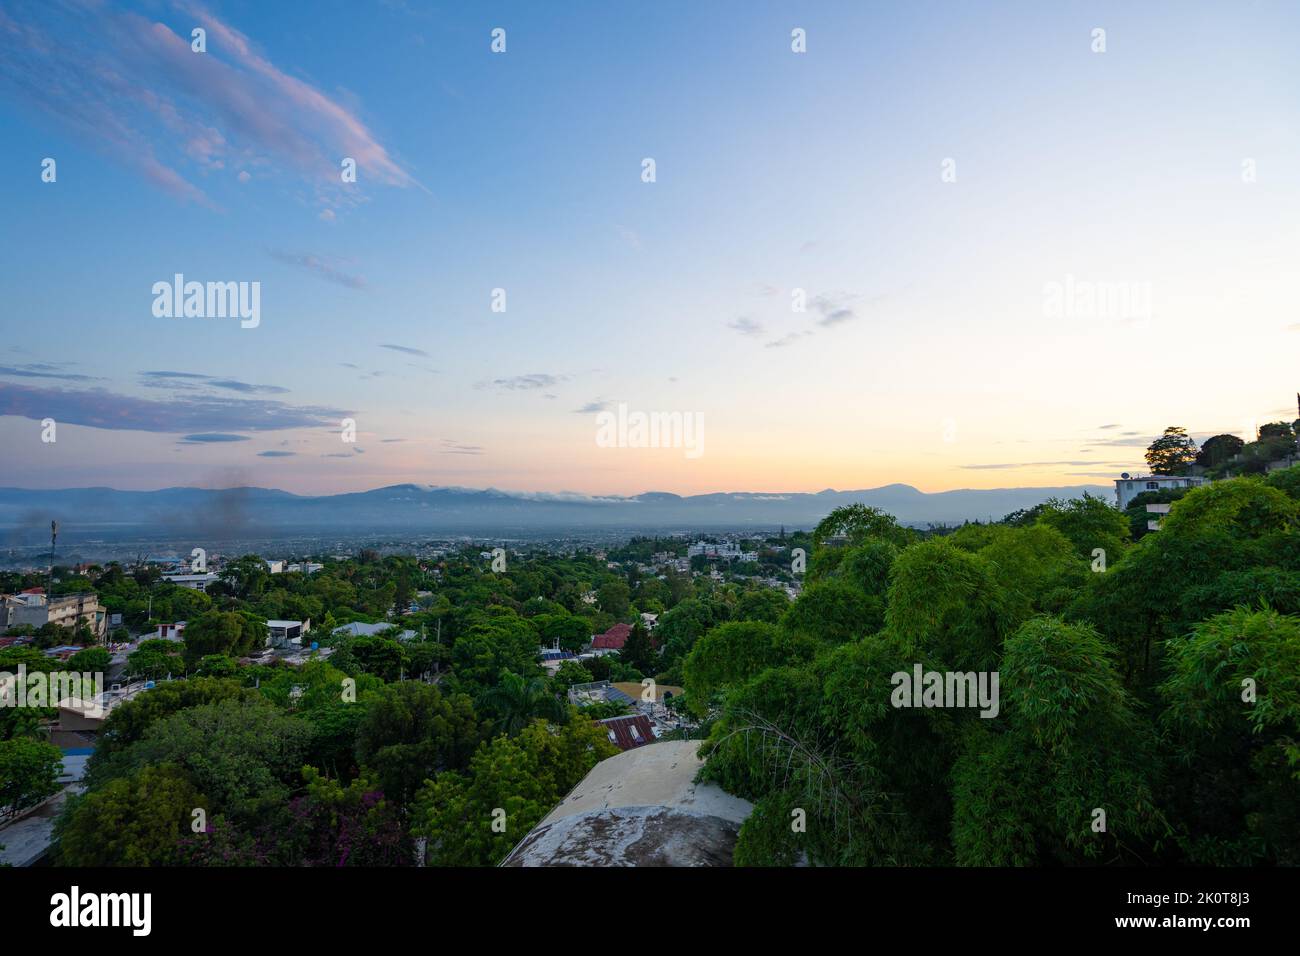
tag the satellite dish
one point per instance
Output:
(1124, 475)
(315, 645)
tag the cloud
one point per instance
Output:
(324, 267)
(247, 389)
(746, 326)
(1130, 440)
(834, 309)
(44, 370)
(1104, 427)
(193, 380)
(524, 383)
(407, 349)
(787, 339)
(450, 447)
(212, 437)
(133, 88)
(599, 405)
(100, 408)
(276, 454)
(1028, 464)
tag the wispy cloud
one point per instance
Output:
(132, 87)
(407, 349)
(524, 383)
(100, 408)
(746, 326)
(834, 309)
(788, 339)
(276, 454)
(45, 370)
(450, 447)
(599, 405)
(207, 438)
(325, 267)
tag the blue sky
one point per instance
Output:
(926, 353)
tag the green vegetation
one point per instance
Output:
(1149, 706)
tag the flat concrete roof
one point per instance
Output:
(639, 808)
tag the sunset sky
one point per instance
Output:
(929, 353)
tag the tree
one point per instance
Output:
(1172, 452)
(242, 753)
(637, 650)
(857, 523)
(1089, 523)
(572, 672)
(569, 632)
(91, 661)
(1032, 789)
(834, 611)
(515, 700)
(476, 819)
(1233, 708)
(730, 654)
(129, 720)
(155, 659)
(232, 633)
(412, 731)
(29, 772)
(1218, 449)
(137, 820)
(614, 598)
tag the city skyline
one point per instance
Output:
(1020, 257)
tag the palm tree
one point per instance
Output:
(517, 700)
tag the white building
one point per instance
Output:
(195, 582)
(1128, 487)
(282, 633)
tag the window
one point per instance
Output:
(636, 734)
(1152, 486)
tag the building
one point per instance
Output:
(642, 807)
(1128, 487)
(282, 633)
(611, 640)
(361, 629)
(628, 731)
(170, 632)
(33, 609)
(195, 582)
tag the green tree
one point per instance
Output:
(232, 633)
(136, 820)
(513, 780)
(638, 652)
(515, 700)
(1172, 452)
(29, 772)
(412, 731)
(614, 597)
(1217, 449)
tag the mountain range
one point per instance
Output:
(231, 513)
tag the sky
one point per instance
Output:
(947, 244)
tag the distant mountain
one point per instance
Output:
(229, 513)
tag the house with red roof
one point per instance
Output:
(613, 639)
